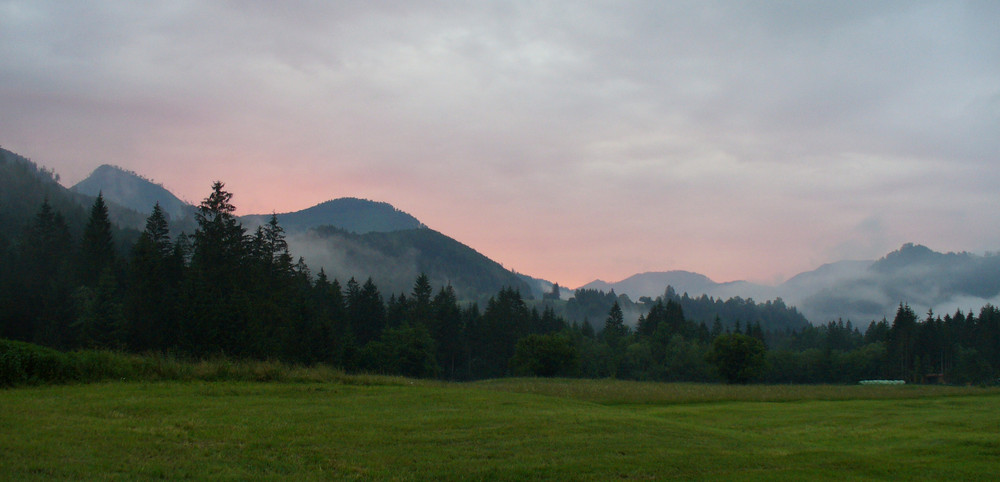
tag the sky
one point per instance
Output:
(568, 141)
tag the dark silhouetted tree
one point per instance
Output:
(738, 358)
(545, 356)
(97, 248)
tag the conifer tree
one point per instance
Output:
(505, 320)
(101, 321)
(614, 325)
(902, 341)
(420, 309)
(448, 331)
(366, 311)
(97, 248)
(151, 291)
(42, 312)
(217, 301)
(337, 344)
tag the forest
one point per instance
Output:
(224, 291)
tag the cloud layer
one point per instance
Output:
(567, 140)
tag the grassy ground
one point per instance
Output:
(375, 428)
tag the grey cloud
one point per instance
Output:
(854, 109)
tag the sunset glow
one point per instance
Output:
(568, 141)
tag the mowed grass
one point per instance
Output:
(507, 429)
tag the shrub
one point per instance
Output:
(27, 364)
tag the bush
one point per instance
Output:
(27, 364)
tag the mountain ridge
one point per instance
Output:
(349, 213)
(858, 290)
(131, 190)
(346, 237)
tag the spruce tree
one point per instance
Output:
(217, 311)
(420, 309)
(614, 325)
(97, 248)
(448, 331)
(43, 278)
(152, 287)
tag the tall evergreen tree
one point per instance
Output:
(97, 248)
(217, 307)
(152, 288)
(43, 277)
(448, 331)
(505, 320)
(338, 345)
(101, 321)
(902, 341)
(366, 311)
(420, 309)
(614, 325)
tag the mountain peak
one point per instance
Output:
(130, 190)
(909, 255)
(348, 213)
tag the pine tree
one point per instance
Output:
(366, 311)
(42, 311)
(614, 325)
(505, 320)
(902, 341)
(217, 302)
(97, 248)
(449, 332)
(420, 310)
(101, 322)
(152, 286)
(338, 346)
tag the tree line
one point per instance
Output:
(224, 291)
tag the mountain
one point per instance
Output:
(653, 284)
(395, 259)
(133, 191)
(24, 186)
(541, 288)
(860, 291)
(130, 190)
(353, 237)
(351, 214)
(346, 237)
(913, 274)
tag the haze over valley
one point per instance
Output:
(350, 237)
(556, 240)
(570, 141)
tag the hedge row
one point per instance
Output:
(28, 364)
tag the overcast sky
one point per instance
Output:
(566, 140)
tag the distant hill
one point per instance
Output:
(860, 291)
(347, 237)
(355, 237)
(23, 188)
(350, 214)
(654, 284)
(130, 190)
(395, 259)
(913, 274)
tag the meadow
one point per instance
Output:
(327, 425)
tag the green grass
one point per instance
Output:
(392, 428)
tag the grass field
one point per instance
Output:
(390, 428)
